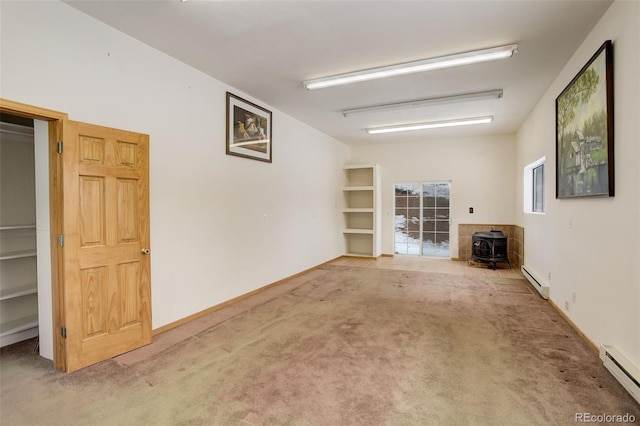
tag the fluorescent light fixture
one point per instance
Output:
(429, 125)
(413, 67)
(492, 94)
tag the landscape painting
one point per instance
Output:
(584, 130)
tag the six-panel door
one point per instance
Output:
(106, 265)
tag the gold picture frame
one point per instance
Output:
(248, 129)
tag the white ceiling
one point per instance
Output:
(267, 48)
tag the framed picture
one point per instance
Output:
(248, 129)
(584, 130)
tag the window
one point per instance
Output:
(538, 189)
(534, 187)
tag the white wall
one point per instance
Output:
(598, 257)
(209, 242)
(480, 170)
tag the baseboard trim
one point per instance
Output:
(577, 329)
(237, 299)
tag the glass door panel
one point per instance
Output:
(422, 218)
(407, 219)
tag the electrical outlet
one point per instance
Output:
(549, 276)
(570, 222)
(265, 218)
(566, 305)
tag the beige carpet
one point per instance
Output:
(341, 345)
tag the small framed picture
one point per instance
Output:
(248, 129)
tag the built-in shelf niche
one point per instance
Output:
(362, 210)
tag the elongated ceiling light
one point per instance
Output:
(476, 96)
(429, 125)
(413, 67)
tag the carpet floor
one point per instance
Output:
(340, 345)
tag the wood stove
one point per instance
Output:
(490, 247)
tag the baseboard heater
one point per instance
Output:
(621, 369)
(537, 283)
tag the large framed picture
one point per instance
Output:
(584, 130)
(248, 129)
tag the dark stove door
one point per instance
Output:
(481, 249)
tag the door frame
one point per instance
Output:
(55, 119)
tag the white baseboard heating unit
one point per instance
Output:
(621, 369)
(536, 282)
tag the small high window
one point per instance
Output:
(534, 187)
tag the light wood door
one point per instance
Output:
(105, 264)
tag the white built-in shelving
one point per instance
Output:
(362, 210)
(18, 260)
(18, 286)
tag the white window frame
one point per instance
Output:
(529, 186)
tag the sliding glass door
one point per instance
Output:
(422, 217)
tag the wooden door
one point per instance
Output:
(104, 280)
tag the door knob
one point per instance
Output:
(145, 251)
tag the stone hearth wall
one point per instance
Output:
(514, 234)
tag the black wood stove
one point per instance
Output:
(490, 247)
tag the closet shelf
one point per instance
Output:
(18, 325)
(23, 290)
(17, 254)
(13, 227)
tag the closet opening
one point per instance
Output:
(18, 232)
